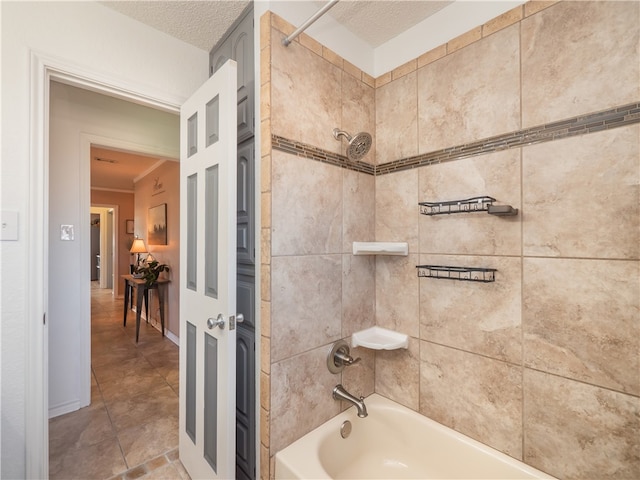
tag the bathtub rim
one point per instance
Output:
(286, 467)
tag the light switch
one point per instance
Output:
(9, 223)
(66, 232)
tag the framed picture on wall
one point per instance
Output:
(129, 226)
(157, 225)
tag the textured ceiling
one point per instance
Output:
(199, 23)
(378, 21)
(203, 23)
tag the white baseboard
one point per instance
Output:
(63, 408)
(156, 324)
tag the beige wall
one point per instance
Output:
(160, 186)
(124, 201)
(542, 364)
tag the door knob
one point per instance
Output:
(239, 318)
(218, 322)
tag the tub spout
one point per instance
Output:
(339, 393)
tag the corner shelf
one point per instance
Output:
(474, 204)
(381, 248)
(378, 338)
(468, 274)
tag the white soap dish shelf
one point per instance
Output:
(378, 338)
(381, 248)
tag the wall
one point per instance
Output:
(124, 201)
(162, 185)
(74, 32)
(544, 361)
(314, 291)
(77, 115)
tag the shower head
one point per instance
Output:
(359, 144)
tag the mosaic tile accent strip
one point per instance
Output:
(580, 125)
(616, 117)
(313, 153)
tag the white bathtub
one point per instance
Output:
(394, 442)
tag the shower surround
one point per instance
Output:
(541, 364)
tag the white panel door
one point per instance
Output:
(208, 277)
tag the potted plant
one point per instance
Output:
(151, 270)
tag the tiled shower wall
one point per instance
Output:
(314, 292)
(543, 364)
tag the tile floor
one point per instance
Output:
(130, 430)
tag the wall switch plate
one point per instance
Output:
(9, 225)
(66, 232)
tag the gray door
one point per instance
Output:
(237, 44)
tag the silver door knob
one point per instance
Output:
(239, 318)
(218, 322)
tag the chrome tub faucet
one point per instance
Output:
(339, 393)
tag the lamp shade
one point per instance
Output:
(138, 246)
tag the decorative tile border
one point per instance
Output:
(314, 153)
(580, 125)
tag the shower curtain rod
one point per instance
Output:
(309, 21)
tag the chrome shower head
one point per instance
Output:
(359, 144)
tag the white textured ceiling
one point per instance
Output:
(199, 23)
(203, 23)
(378, 21)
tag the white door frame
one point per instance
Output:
(45, 68)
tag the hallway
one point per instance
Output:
(130, 430)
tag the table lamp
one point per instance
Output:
(138, 247)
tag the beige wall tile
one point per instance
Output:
(358, 224)
(265, 30)
(358, 293)
(305, 95)
(432, 55)
(574, 430)
(474, 395)
(265, 209)
(581, 196)
(534, 6)
(265, 68)
(396, 119)
(282, 26)
(265, 319)
(332, 56)
(581, 320)
(358, 112)
(472, 94)
(265, 246)
(579, 57)
(306, 308)
(508, 18)
(265, 173)
(352, 70)
(265, 105)
(310, 43)
(265, 282)
(359, 379)
(404, 69)
(383, 79)
(265, 391)
(397, 208)
(482, 318)
(464, 40)
(496, 175)
(301, 396)
(265, 354)
(397, 300)
(398, 374)
(307, 206)
(368, 79)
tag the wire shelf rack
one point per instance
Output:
(473, 204)
(467, 274)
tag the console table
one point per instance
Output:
(142, 292)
